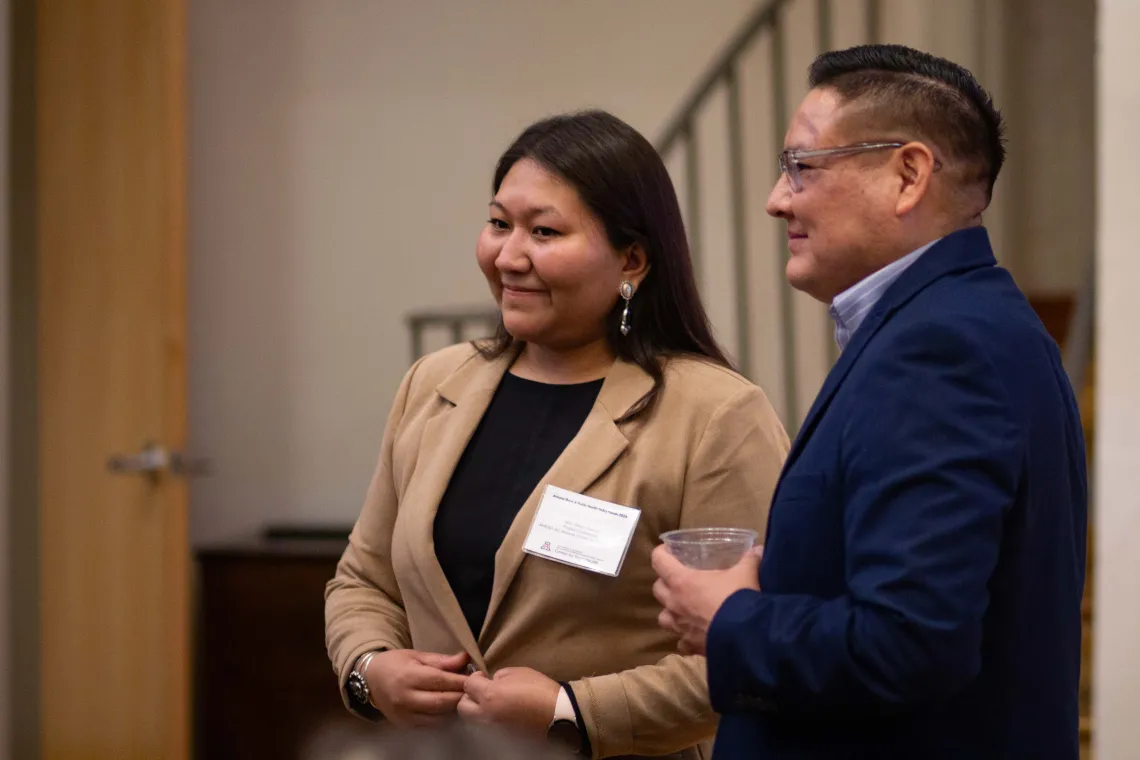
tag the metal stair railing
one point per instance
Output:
(680, 134)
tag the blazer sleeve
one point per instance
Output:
(363, 607)
(664, 707)
(931, 459)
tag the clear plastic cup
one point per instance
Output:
(709, 548)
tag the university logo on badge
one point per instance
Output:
(546, 546)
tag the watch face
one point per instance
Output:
(566, 734)
(358, 688)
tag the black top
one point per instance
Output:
(523, 431)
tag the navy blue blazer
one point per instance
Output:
(925, 556)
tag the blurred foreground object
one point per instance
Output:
(459, 741)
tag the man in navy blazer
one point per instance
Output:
(920, 589)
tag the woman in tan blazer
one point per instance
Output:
(603, 380)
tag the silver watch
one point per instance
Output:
(357, 684)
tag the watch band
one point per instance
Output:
(585, 747)
(357, 685)
(564, 709)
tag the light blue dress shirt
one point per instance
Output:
(851, 307)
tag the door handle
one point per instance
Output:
(153, 460)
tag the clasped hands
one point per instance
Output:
(413, 688)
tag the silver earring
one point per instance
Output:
(626, 291)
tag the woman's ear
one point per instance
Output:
(636, 265)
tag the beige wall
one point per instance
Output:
(340, 161)
(1116, 682)
(340, 158)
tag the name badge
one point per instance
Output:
(581, 531)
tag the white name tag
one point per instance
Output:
(581, 531)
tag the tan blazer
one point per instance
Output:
(709, 453)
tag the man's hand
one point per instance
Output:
(414, 688)
(692, 597)
(517, 698)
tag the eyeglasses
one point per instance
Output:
(789, 159)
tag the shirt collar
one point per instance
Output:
(851, 307)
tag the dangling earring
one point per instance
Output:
(626, 291)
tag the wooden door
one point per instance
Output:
(110, 205)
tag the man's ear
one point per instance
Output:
(915, 166)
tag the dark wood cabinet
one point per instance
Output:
(263, 683)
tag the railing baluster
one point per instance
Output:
(739, 223)
(823, 18)
(458, 323)
(417, 340)
(874, 21)
(487, 330)
(693, 196)
(787, 314)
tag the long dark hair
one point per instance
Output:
(622, 180)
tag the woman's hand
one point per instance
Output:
(517, 698)
(414, 688)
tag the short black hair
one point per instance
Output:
(621, 178)
(936, 99)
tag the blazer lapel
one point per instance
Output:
(468, 392)
(834, 379)
(959, 251)
(596, 446)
